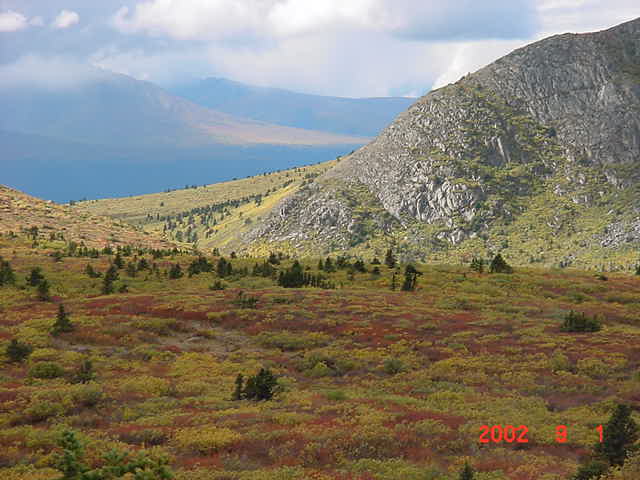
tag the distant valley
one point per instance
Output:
(112, 129)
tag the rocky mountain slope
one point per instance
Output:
(46, 220)
(535, 155)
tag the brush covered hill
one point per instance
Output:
(535, 155)
(373, 383)
(208, 216)
(20, 212)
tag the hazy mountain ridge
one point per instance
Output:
(352, 116)
(115, 109)
(554, 124)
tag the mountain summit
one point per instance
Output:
(535, 155)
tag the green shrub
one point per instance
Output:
(286, 340)
(579, 322)
(335, 395)
(46, 370)
(41, 409)
(393, 366)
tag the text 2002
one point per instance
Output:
(511, 434)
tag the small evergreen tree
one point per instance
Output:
(35, 277)
(69, 462)
(238, 393)
(579, 322)
(467, 473)
(200, 265)
(328, 265)
(176, 271)
(143, 264)
(7, 276)
(85, 372)
(261, 386)
(320, 265)
(62, 323)
(293, 277)
(91, 273)
(477, 265)
(592, 470)
(375, 271)
(43, 291)
(410, 278)
(390, 259)
(118, 261)
(375, 261)
(619, 434)
(273, 259)
(224, 268)
(638, 269)
(109, 278)
(393, 282)
(131, 269)
(359, 266)
(499, 265)
(17, 351)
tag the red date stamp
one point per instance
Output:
(512, 434)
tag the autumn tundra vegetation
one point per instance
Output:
(146, 363)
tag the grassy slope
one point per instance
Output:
(19, 211)
(473, 350)
(227, 230)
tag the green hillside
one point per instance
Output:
(372, 383)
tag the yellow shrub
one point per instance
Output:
(204, 439)
(146, 384)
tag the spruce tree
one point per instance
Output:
(261, 386)
(62, 323)
(238, 391)
(273, 259)
(466, 473)
(499, 265)
(91, 272)
(477, 265)
(592, 470)
(619, 434)
(109, 278)
(17, 351)
(43, 291)
(410, 278)
(35, 277)
(118, 261)
(85, 372)
(390, 259)
(7, 277)
(131, 269)
(176, 271)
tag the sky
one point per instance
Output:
(353, 48)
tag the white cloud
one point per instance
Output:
(427, 19)
(36, 22)
(11, 21)
(65, 19)
(51, 73)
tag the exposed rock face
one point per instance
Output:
(558, 117)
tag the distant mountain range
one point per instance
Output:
(352, 116)
(115, 135)
(117, 110)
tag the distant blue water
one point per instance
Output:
(82, 171)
